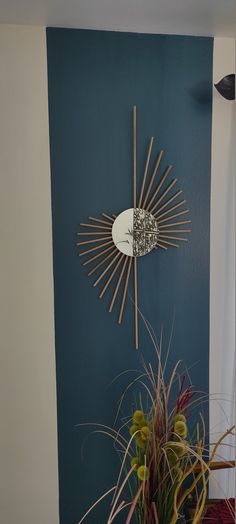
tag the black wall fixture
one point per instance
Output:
(226, 87)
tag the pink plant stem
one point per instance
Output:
(120, 507)
(155, 513)
(97, 502)
(113, 509)
(132, 509)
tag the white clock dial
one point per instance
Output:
(135, 232)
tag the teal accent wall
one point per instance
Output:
(94, 80)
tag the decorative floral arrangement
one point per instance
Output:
(164, 460)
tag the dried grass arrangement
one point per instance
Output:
(164, 463)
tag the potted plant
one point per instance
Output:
(165, 460)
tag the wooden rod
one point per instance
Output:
(159, 157)
(162, 247)
(118, 284)
(114, 216)
(106, 270)
(101, 263)
(95, 240)
(146, 171)
(166, 174)
(135, 156)
(125, 291)
(95, 233)
(108, 217)
(96, 227)
(169, 243)
(175, 224)
(167, 190)
(176, 231)
(98, 255)
(221, 464)
(173, 238)
(173, 216)
(168, 202)
(112, 275)
(95, 248)
(172, 208)
(136, 302)
(100, 221)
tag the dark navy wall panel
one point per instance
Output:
(94, 80)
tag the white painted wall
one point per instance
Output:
(28, 437)
(222, 267)
(191, 17)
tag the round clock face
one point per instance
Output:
(135, 232)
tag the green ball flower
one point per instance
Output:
(145, 433)
(138, 417)
(180, 429)
(143, 473)
(140, 443)
(133, 429)
(172, 456)
(179, 448)
(180, 418)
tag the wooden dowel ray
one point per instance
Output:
(136, 302)
(146, 171)
(162, 181)
(95, 248)
(98, 255)
(172, 216)
(167, 190)
(100, 221)
(169, 243)
(172, 208)
(176, 231)
(89, 233)
(118, 284)
(125, 291)
(168, 202)
(159, 157)
(95, 240)
(101, 263)
(174, 238)
(174, 224)
(96, 227)
(108, 217)
(111, 276)
(162, 247)
(106, 270)
(134, 156)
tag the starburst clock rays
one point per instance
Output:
(112, 244)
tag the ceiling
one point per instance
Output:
(193, 17)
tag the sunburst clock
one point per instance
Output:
(119, 240)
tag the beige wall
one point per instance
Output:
(28, 439)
